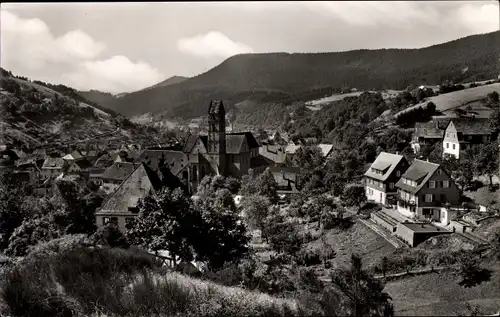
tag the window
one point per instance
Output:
(105, 220)
(428, 198)
(391, 185)
(114, 220)
(453, 146)
(446, 184)
(442, 198)
(438, 172)
(432, 184)
(398, 173)
(447, 145)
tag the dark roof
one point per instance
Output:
(283, 175)
(433, 129)
(420, 172)
(191, 142)
(472, 126)
(216, 107)
(274, 153)
(118, 171)
(83, 164)
(252, 142)
(53, 162)
(137, 185)
(235, 143)
(385, 162)
(175, 160)
(260, 160)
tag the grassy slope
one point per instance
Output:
(438, 294)
(459, 98)
(34, 130)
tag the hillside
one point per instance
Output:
(35, 113)
(107, 99)
(272, 77)
(455, 99)
(169, 81)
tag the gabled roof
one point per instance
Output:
(118, 171)
(191, 142)
(433, 129)
(53, 162)
(83, 164)
(140, 183)
(235, 143)
(252, 142)
(471, 126)
(420, 172)
(326, 149)
(385, 162)
(282, 175)
(175, 160)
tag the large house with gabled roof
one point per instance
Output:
(122, 206)
(381, 178)
(426, 191)
(114, 175)
(464, 133)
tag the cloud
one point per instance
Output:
(212, 44)
(30, 42)
(116, 74)
(476, 17)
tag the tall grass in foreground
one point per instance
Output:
(113, 282)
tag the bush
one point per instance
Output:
(307, 257)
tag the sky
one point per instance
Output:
(124, 47)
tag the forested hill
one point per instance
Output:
(276, 76)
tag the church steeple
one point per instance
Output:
(216, 127)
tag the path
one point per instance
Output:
(381, 232)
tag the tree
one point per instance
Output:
(493, 97)
(222, 236)
(461, 171)
(111, 235)
(12, 211)
(267, 186)
(363, 295)
(354, 195)
(487, 161)
(256, 209)
(166, 222)
(494, 120)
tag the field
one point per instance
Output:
(458, 98)
(438, 294)
(386, 94)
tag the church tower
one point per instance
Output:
(217, 135)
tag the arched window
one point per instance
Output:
(195, 173)
(185, 175)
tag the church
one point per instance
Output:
(218, 153)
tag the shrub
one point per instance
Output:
(307, 257)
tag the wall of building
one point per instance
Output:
(375, 195)
(451, 194)
(405, 233)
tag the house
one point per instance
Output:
(286, 179)
(426, 191)
(464, 133)
(291, 149)
(53, 167)
(275, 153)
(122, 205)
(428, 133)
(73, 156)
(80, 167)
(104, 161)
(114, 175)
(381, 178)
(30, 166)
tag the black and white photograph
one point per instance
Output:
(250, 158)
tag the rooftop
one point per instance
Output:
(423, 227)
(385, 162)
(420, 172)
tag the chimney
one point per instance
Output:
(437, 124)
(427, 160)
(397, 152)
